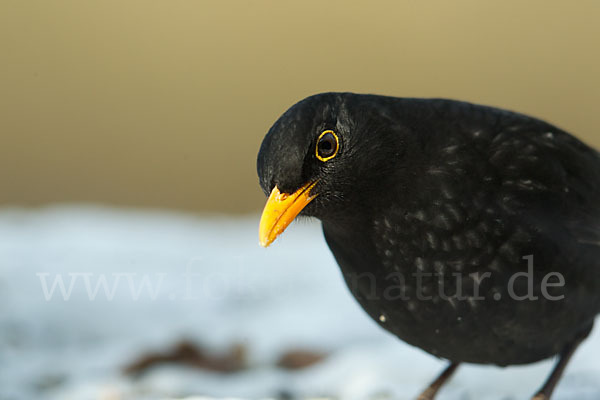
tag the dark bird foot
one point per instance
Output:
(434, 387)
(540, 396)
(546, 390)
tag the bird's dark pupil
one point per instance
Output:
(327, 145)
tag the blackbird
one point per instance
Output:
(468, 231)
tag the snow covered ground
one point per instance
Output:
(170, 276)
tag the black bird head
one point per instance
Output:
(325, 156)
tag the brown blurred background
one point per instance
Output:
(164, 103)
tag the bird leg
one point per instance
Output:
(546, 390)
(434, 387)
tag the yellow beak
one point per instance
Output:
(280, 211)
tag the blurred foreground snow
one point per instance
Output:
(136, 281)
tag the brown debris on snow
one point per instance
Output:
(189, 354)
(298, 359)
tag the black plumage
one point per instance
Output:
(432, 206)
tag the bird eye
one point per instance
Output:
(327, 145)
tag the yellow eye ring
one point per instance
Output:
(327, 146)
